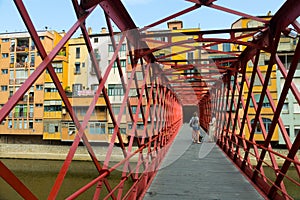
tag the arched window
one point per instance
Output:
(267, 122)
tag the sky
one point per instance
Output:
(59, 15)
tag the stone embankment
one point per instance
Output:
(59, 152)
(55, 152)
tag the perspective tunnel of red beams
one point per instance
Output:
(179, 84)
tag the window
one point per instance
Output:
(128, 58)
(97, 54)
(5, 55)
(139, 126)
(25, 124)
(287, 128)
(110, 48)
(133, 108)
(161, 55)
(15, 124)
(31, 110)
(3, 87)
(132, 92)
(116, 109)
(296, 130)
(4, 71)
(39, 87)
(32, 45)
(77, 68)
(76, 88)
(9, 124)
(51, 128)
(58, 67)
(78, 52)
(226, 47)
(39, 105)
(296, 108)
(115, 90)
(30, 124)
(20, 124)
(285, 108)
(21, 110)
(32, 59)
(214, 47)
(139, 75)
(190, 57)
(80, 110)
(257, 80)
(266, 103)
(123, 47)
(123, 130)
(50, 87)
(110, 130)
(296, 81)
(97, 128)
(94, 87)
(122, 62)
(267, 123)
(5, 40)
(52, 108)
(95, 40)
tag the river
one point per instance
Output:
(39, 177)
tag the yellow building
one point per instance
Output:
(52, 100)
(19, 58)
(80, 93)
(266, 112)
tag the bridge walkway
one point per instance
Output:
(198, 171)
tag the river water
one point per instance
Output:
(39, 176)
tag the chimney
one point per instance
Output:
(103, 30)
(175, 25)
(90, 30)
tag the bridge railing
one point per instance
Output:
(246, 135)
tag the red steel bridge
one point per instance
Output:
(169, 85)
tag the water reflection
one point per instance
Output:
(39, 176)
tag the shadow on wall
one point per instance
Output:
(188, 112)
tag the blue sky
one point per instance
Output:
(59, 14)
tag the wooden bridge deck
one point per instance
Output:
(199, 171)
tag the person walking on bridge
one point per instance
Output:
(194, 123)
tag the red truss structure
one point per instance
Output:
(218, 86)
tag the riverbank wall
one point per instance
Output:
(59, 152)
(56, 152)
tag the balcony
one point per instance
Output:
(20, 114)
(21, 64)
(22, 48)
(19, 81)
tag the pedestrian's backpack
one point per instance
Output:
(192, 122)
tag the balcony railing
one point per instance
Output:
(19, 81)
(22, 48)
(21, 64)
